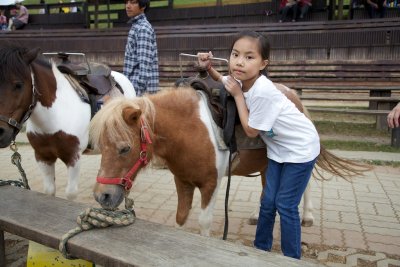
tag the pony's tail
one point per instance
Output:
(344, 168)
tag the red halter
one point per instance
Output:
(143, 160)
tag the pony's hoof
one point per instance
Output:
(253, 221)
(307, 223)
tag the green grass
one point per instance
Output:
(354, 136)
(350, 129)
(358, 146)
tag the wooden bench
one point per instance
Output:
(361, 13)
(44, 219)
(57, 21)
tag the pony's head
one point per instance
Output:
(120, 130)
(16, 93)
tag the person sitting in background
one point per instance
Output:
(376, 8)
(393, 118)
(3, 21)
(287, 6)
(305, 6)
(62, 9)
(73, 9)
(21, 19)
(42, 10)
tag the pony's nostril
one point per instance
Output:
(1, 131)
(104, 198)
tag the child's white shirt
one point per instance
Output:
(289, 135)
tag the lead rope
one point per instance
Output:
(98, 218)
(16, 160)
(228, 185)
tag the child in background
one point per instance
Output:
(291, 138)
(3, 21)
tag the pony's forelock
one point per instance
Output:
(110, 123)
(12, 62)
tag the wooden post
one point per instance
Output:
(2, 249)
(381, 122)
(396, 137)
(332, 8)
(340, 9)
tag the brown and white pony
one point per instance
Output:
(176, 126)
(32, 89)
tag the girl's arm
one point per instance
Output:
(235, 90)
(205, 62)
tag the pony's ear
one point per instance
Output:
(131, 115)
(31, 55)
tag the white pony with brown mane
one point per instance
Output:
(175, 125)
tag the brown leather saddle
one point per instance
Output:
(93, 78)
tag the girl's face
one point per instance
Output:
(245, 62)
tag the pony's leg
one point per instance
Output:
(73, 177)
(185, 193)
(308, 218)
(48, 170)
(254, 215)
(209, 193)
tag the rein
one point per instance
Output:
(142, 161)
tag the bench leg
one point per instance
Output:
(396, 137)
(2, 249)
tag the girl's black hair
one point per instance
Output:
(263, 45)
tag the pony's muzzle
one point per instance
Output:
(108, 196)
(6, 136)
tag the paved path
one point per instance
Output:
(356, 224)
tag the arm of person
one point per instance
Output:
(233, 87)
(204, 60)
(22, 12)
(372, 4)
(145, 54)
(394, 116)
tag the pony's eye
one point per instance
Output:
(19, 85)
(124, 150)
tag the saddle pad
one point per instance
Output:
(41, 256)
(245, 142)
(217, 130)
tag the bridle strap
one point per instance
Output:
(142, 161)
(11, 122)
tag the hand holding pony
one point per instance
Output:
(393, 118)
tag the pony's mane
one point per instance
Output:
(109, 120)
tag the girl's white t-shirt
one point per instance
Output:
(289, 135)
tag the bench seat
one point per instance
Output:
(44, 219)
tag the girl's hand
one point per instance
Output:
(393, 118)
(233, 87)
(204, 59)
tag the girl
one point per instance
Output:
(291, 138)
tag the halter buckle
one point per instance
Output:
(126, 183)
(14, 123)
